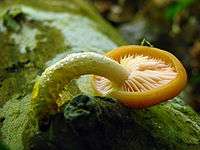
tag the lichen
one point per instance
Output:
(26, 39)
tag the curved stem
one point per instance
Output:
(54, 78)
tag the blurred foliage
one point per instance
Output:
(172, 25)
(176, 7)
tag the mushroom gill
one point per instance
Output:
(154, 76)
(145, 73)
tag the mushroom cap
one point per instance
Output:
(145, 98)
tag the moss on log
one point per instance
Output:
(35, 34)
(96, 123)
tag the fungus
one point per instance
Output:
(137, 76)
(52, 81)
(154, 76)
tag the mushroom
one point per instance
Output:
(137, 76)
(154, 76)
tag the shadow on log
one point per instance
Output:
(96, 123)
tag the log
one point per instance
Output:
(36, 34)
(96, 123)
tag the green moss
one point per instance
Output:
(9, 53)
(10, 22)
(89, 123)
(17, 83)
(19, 123)
(25, 39)
(172, 123)
(50, 42)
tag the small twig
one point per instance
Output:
(144, 41)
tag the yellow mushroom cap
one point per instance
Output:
(154, 76)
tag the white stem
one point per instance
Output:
(55, 77)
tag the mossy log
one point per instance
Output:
(96, 123)
(35, 34)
